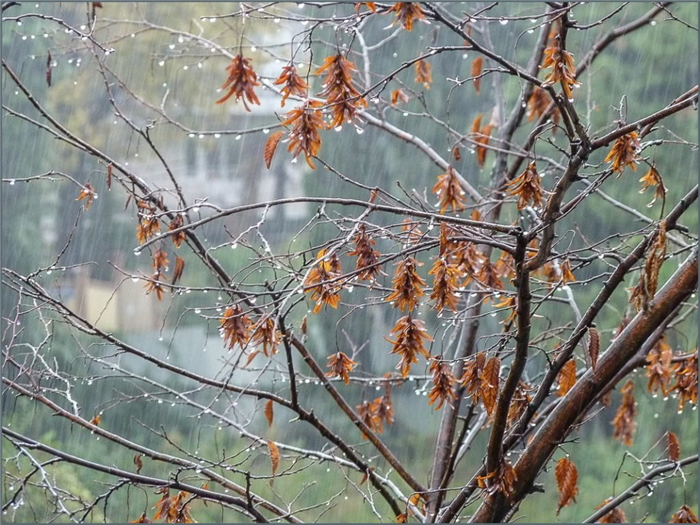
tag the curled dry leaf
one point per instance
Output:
(445, 285)
(424, 73)
(624, 417)
(652, 179)
(87, 193)
(96, 420)
(138, 462)
(674, 447)
(489, 384)
(269, 412)
(593, 346)
(179, 268)
(398, 96)
(271, 147)
(660, 367)
(274, 456)
(179, 237)
(367, 256)
(563, 68)
(477, 64)
(567, 377)
(566, 475)
(155, 285)
(687, 382)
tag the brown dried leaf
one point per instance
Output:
(269, 412)
(138, 462)
(476, 71)
(567, 377)
(179, 268)
(593, 346)
(96, 420)
(674, 447)
(274, 456)
(684, 515)
(271, 146)
(616, 515)
(624, 417)
(424, 73)
(489, 384)
(109, 176)
(240, 82)
(566, 475)
(406, 14)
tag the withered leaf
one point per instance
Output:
(489, 384)
(566, 475)
(179, 268)
(138, 462)
(593, 346)
(269, 412)
(274, 456)
(271, 146)
(109, 176)
(96, 420)
(684, 515)
(567, 377)
(476, 72)
(48, 68)
(674, 447)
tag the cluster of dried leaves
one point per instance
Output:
(318, 282)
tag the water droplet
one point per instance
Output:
(359, 131)
(276, 20)
(161, 63)
(530, 31)
(12, 182)
(653, 23)
(503, 22)
(217, 135)
(238, 137)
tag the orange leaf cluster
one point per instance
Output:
(538, 103)
(445, 284)
(653, 179)
(240, 82)
(616, 515)
(148, 225)
(87, 193)
(265, 334)
(411, 336)
(293, 84)
(179, 237)
(488, 276)
(341, 366)
(235, 326)
(624, 417)
(326, 268)
(567, 276)
(449, 191)
(528, 187)
(424, 73)
(367, 256)
(155, 286)
(684, 515)
(339, 90)
(160, 260)
(660, 367)
(481, 379)
(408, 285)
(563, 69)
(443, 383)
(306, 121)
(687, 382)
(172, 509)
(624, 153)
(406, 14)
(503, 480)
(566, 475)
(511, 304)
(142, 519)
